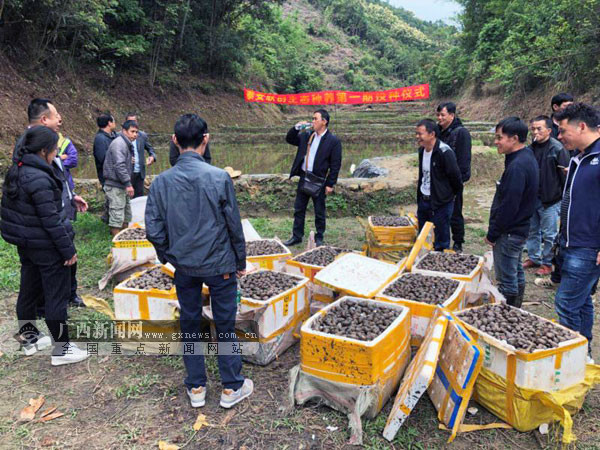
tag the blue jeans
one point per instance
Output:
(542, 232)
(573, 301)
(441, 221)
(507, 264)
(224, 308)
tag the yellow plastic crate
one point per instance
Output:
(138, 304)
(421, 313)
(132, 250)
(351, 361)
(316, 293)
(395, 235)
(271, 262)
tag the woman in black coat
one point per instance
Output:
(33, 219)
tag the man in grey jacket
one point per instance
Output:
(140, 144)
(118, 170)
(193, 221)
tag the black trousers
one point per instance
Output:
(300, 205)
(138, 185)
(47, 283)
(457, 221)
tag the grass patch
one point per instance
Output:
(10, 267)
(137, 385)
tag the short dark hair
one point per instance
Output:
(130, 124)
(37, 108)
(190, 130)
(104, 119)
(580, 112)
(559, 99)
(430, 126)
(547, 120)
(130, 114)
(324, 115)
(513, 126)
(450, 107)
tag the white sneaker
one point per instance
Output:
(70, 354)
(590, 360)
(229, 397)
(197, 396)
(42, 343)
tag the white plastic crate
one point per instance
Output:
(544, 370)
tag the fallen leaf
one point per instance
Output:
(37, 403)
(28, 413)
(48, 411)
(47, 442)
(200, 422)
(227, 418)
(52, 416)
(164, 445)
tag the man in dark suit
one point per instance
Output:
(139, 169)
(320, 153)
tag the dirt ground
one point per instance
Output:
(115, 402)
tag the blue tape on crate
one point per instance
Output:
(475, 349)
(453, 395)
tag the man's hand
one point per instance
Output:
(130, 191)
(150, 160)
(328, 190)
(598, 259)
(71, 261)
(64, 156)
(488, 242)
(241, 273)
(80, 204)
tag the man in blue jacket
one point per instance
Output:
(580, 219)
(193, 221)
(512, 208)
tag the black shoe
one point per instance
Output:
(457, 248)
(77, 302)
(292, 241)
(319, 242)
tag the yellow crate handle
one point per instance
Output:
(419, 243)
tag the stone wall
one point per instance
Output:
(258, 195)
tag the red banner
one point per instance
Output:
(418, 92)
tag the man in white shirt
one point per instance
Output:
(318, 161)
(439, 182)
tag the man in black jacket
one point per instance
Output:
(140, 161)
(439, 182)
(104, 136)
(552, 160)
(319, 154)
(458, 138)
(558, 103)
(193, 221)
(512, 208)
